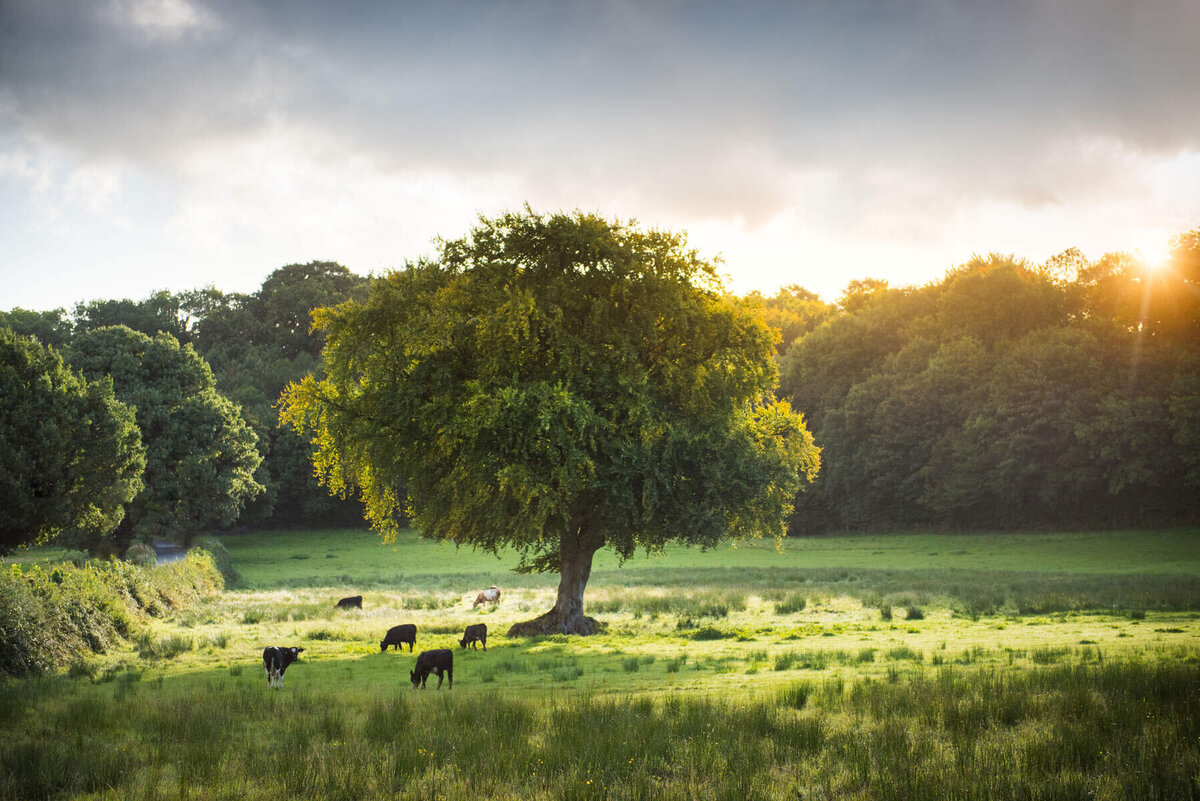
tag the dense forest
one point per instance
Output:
(1006, 395)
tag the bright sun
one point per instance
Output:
(1154, 257)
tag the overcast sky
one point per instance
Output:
(173, 144)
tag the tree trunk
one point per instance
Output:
(567, 616)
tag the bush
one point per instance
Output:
(51, 614)
(221, 559)
(27, 645)
(793, 602)
(141, 554)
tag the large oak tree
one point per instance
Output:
(556, 384)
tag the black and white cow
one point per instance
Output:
(275, 661)
(475, 634)
(436, 661)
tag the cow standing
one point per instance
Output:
(488, 596)
(475, 634)
(276, 660)
(353, 602)
(398, 635)
(437, 661)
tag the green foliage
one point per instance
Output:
(555, 384)
(200, 454)
(51, 328)
(221, 559)
(70, 453)
(48, 616)
(1006, 396)
(161, 312)
(141, 554)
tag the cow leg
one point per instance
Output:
(450, 676)
(439, 678)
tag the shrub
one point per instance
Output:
(51, 614)
(141, 554)
(793, 602)
(711, 633)
(221, 560)
(27, 644)
(914, 612)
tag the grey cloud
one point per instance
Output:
(649, 99)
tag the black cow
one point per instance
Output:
(435, 661)
(474, 634)
(398, 635)
(353, 602)
(276, 660)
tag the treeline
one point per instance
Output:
(1006, 396)
(189, 363)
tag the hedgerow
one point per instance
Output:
(50, 615)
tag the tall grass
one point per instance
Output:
(1104, 731)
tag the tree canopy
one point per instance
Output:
(556, 384)
(70, 453)
(1008, 395)
(200, 454)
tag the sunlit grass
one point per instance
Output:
(704, 682)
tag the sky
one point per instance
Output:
(177, 144)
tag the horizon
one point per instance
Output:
(177, 144)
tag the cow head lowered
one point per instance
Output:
(276, 659)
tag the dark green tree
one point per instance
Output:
(556, 384)
(284, 303)
(70, 454)
(200, 454)
(49, 327)
(161, 311)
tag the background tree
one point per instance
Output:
(51, 328)
(556, 384)
(161, 311)
(793, 311)
(70, 454)
(1006, 396)
(200, 454)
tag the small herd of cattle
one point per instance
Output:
(440, 660)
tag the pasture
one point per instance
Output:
(1062, 665)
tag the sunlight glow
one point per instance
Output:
(1154, 257)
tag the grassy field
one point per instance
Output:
(928, 666)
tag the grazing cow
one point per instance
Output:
(474, 634)
(275, 662)
(488, 596)
(353, 602)
(435, 661)
(398, 635)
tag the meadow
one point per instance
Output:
(1057, 665)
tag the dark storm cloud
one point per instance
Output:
(709, 107)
